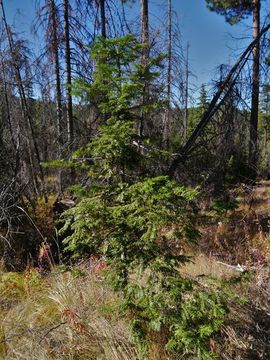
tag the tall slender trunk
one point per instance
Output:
(7, 106)
(145, 27)
(169, 71)
(54, 47)
(169, 77)
(103, 18)
(59, 108)
(145, 56)
(186, 93)
(253, 146)
(70, 126)
(14, 139)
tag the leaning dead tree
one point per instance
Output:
(216, 102)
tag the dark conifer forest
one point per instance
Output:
(134, 205)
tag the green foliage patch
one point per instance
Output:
(137, 223)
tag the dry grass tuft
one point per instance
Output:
(207, 266)
(243, 237)
(67, 317)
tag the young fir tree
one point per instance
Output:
(197, 112)
(135, 222)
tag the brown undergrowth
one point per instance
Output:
(62, 316)
(245, 334)
(242, 236)
(71, 315)
(237, 243)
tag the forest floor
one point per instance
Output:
(70, 314)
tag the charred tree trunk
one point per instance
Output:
(58, 92)
(169, 78)
(15, 134)
(145, 28)
(145, 56)
(103, 19)
(70, 127)
(253, 146)
(54, 48)
(15, 142)
(186, 93)
(169, 72)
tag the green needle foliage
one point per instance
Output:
(233, 10)
(118, 89)
(138, 223)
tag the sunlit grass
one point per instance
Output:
(64, 317)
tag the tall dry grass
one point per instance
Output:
(66, 316)
(242, 236)
(61, 317)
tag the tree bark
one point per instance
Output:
(54, 47)
(167, 116)
(69, 105)
(15, 140)
(145, 28)
(169, 72)
(58, 91)
(145, 56)
(103, 19)
(253, 146)
(186, 93)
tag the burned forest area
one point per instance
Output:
(134, 183)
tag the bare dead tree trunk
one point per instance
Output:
(253, 146)
(24, 104)
(8, 113)
(169, 77)
(145, 27)
(54, 47)
(15, 140)
(169, 72)
(103, 18)
(59, 108)
(70, 126)
(186, 93)
(145, 56)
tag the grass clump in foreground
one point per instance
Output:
(65, 317)
(69, 316)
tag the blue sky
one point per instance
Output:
(211, 38)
